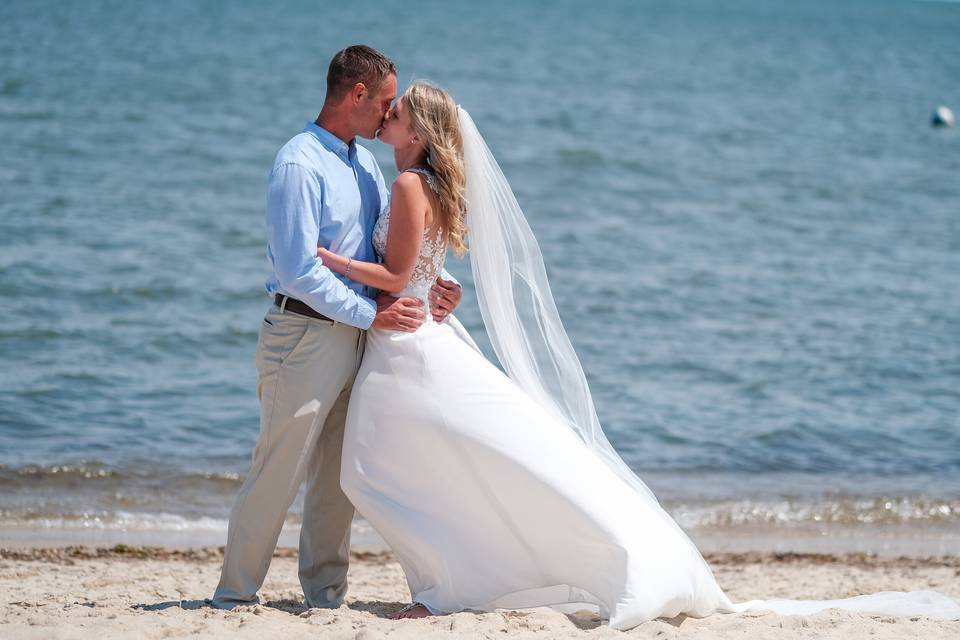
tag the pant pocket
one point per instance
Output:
(280, 335)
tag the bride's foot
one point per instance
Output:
(412, 610)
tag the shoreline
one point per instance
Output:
(71, 553)
(914, 540)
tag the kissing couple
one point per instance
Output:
(494, 489)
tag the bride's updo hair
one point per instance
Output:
(433, 115)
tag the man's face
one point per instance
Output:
(376, 106)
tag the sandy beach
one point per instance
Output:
(150, 592)
(746, 215)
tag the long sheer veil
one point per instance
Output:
(517, 306)
(524, 328)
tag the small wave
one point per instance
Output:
(580, 157)
(136, 521)
(849, 511)
(68, 474)
(60, 471)
(26, 115)
(115, 521)
(155, 292)
(33, 333)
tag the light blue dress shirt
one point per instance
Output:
(324, 192)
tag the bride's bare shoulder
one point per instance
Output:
(409, 182)
(409, 192)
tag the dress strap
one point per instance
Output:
(426, 173)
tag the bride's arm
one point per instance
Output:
(408, 206)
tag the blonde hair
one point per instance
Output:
(433, 115)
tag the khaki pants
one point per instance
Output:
(306, 370)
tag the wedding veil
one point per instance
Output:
(517, 306)
(525, 331)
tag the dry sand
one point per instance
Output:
(154, 593)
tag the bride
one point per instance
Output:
(501, 490)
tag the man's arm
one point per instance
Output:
(293, 224)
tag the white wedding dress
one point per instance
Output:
(484, 500)
(490, 500)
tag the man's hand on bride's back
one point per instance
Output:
(444, 298)
(398, 314)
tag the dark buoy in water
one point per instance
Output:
(943, 117)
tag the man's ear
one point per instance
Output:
(358, 92)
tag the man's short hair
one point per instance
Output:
(358, 63)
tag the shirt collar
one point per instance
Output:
(332, 142)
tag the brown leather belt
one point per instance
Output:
(300, 308)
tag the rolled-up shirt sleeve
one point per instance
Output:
(293, 225)
(448, 276)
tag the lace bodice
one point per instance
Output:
(433, 249)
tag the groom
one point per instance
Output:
(324, 190)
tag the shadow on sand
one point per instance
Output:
(583, 620)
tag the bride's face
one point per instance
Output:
(396, 129)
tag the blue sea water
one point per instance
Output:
(751, 230)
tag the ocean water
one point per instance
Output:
(751, 230)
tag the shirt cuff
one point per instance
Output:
(447, 276)
(366, 312)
